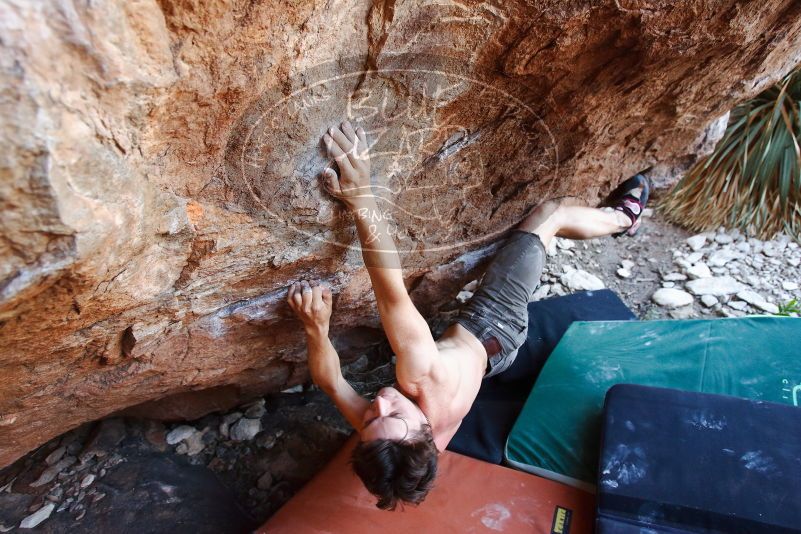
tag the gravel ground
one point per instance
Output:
(265, 451)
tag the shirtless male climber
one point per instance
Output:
(405, 427)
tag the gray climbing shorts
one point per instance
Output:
(498, 312)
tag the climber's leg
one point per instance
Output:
(564, 218)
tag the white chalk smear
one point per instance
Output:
(758, 461)
(493, 516)
(707, 421)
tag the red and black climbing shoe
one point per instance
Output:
(632, 204)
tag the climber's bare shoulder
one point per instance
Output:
(448, 392)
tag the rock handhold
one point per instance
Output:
(717, 286)
(672, 298)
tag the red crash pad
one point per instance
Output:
(469, 496)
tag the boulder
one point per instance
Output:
(160, 169)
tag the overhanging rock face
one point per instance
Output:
(159, 168)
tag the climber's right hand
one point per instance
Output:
(348, 148)
(312, 303)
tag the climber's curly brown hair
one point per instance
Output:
(397, 470)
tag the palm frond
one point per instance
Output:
(752, 180)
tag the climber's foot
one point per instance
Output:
(630, 198)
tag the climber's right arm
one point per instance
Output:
(313, 307)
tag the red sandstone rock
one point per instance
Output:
(159, 166)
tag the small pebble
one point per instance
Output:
(255, 411)
(708, 300)
(738, 305)
(36, 518)
(265, 481)
(56, 455)
(180, 433)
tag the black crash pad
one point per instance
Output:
(679, 461)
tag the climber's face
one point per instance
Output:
(391, 415)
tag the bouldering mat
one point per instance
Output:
(558, 431)
(469, 496)
(697, 462)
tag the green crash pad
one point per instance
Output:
(557, 434)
